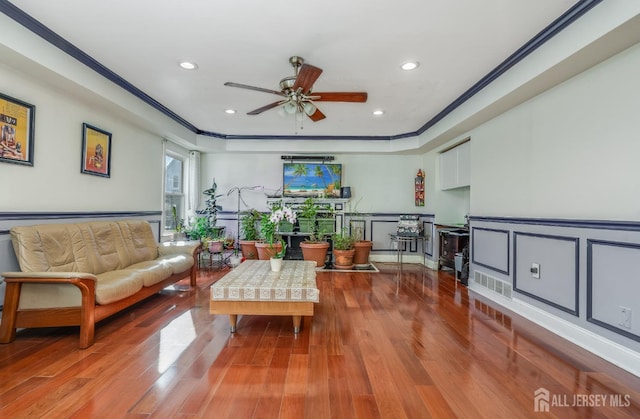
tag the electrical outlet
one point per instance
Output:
(535, 270)
(625, 317)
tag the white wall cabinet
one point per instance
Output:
(455, 167)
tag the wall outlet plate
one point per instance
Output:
(535, 270)
(625, 317)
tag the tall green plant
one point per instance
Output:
(249, 225)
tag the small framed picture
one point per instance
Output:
(17, 121)
(96, 151)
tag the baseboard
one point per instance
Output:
(393, 258)
(613, 352)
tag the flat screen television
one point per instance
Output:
(303, 180)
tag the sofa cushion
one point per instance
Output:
(152, 271)
(105, 246)
(140, 244)
(116, 285)
(50, 248)
(177, 263)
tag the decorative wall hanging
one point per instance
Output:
(419, 188)
(96, 151)
(16, 131)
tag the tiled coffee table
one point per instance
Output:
(253, 289)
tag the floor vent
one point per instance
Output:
(494, 284)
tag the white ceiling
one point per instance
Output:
(360, 45)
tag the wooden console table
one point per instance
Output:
(252, 288)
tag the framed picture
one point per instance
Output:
(17, 120)
(96, 151)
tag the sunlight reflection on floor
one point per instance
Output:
(174, 339)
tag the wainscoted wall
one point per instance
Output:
(7, 220)
(588, 287)
(376, 227)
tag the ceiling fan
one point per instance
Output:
(297, 94)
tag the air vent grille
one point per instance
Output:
(494, 284)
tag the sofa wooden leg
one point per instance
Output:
(87, 335)
(10, 312)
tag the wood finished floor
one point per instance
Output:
(373, 350)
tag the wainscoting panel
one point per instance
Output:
(491, 249)
(557, 258)
(589, 283)
(613, 286)
(7, 259)
(380, 231)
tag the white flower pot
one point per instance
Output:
(276, 264)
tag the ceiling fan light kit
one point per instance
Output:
(297, 93)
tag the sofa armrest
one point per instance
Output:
(85, 282)
(174, 248)
(47, 277)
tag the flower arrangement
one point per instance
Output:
(269, 226)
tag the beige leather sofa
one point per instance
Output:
(79, 274)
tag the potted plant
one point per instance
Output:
(216, 241)
(362, 246)
(343, 250)
(199, 229)
(212, 207)
(273, 244)
(307, 216)
(250, 227)
(315, 247)
(178, 224)
(326, 220)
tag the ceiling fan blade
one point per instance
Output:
(317, 115)
(265, 108)
(259, 89)
(339, 96)
(306, 77)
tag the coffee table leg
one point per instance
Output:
(233, 320)
(297, 320)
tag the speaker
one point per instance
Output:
(345, 192)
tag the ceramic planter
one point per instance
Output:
(215, 246)
(361, 256)
(267, 251)
(343, 259)
(316, 252)
(248, 248)
(276, 264)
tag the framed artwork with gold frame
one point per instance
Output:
(96, 151)
(17, 121)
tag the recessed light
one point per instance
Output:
(187, 65)
(411, 65)
(378, 112)
(230, 111)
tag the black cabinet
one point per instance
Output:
(452, 243)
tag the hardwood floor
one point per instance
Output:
(375, 348)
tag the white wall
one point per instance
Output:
(55, 183)
(382, 183)
(571, 152)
